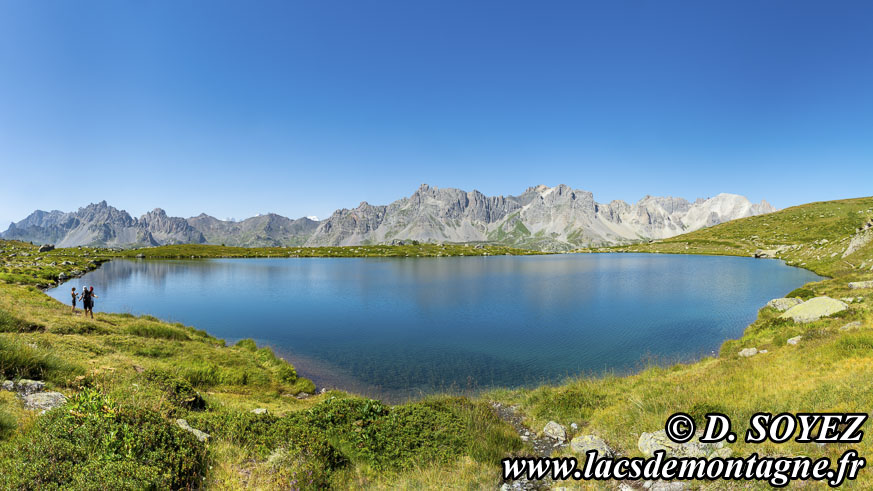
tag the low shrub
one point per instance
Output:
(94, 442)
(179, 392)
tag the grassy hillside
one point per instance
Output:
(124, 372)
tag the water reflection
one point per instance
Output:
(398, 327)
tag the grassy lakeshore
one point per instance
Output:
(130, 378)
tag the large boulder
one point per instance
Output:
(814, 309)
(783, 304)
(44, 401)
(585, 443)
(555, 431)
(858, 285)
(747, 352)
(658, 440)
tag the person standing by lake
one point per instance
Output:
(74, 299)
(88, 297)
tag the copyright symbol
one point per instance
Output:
(679, 427)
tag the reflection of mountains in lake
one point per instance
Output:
(398, 326)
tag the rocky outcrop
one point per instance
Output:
(783, 304)
(44, 401)
(814, 309)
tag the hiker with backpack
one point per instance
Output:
(88, 297)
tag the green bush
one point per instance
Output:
(93, 442)
(179, 392)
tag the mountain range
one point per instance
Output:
(542, 217)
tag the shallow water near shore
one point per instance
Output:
(396, 328)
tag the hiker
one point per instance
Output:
(74, 299)
(88, 301)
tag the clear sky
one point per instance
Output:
(245, 107)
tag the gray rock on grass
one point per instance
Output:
(794, 340)
(859, 285)
(45, 401)
(585, 443)
(745, 353)
(555, 431)
(783, 304)
(201, 435)
(814, 309)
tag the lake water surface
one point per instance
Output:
(395, 328)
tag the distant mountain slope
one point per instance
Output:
(268, 230)
(547, 218)
(542, 217)
(103, 225)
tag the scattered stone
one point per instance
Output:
(8, 385)
(45, 401)
(260, 410)
(586, 443)
(63, 276)
(851, 299)
(762, 351)
(858, 285)
(783, 304)
(140, 256)
(303, 395)
(574, 426)
(202, 436)
(46, 248)
(27, 387)
(658, 440)
(851, 325)
(748, 352)
(814, 309)
(795, 340)
(555, 431)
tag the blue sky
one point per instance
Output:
(238, 108)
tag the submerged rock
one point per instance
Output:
(814, 309)
(783, 304)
